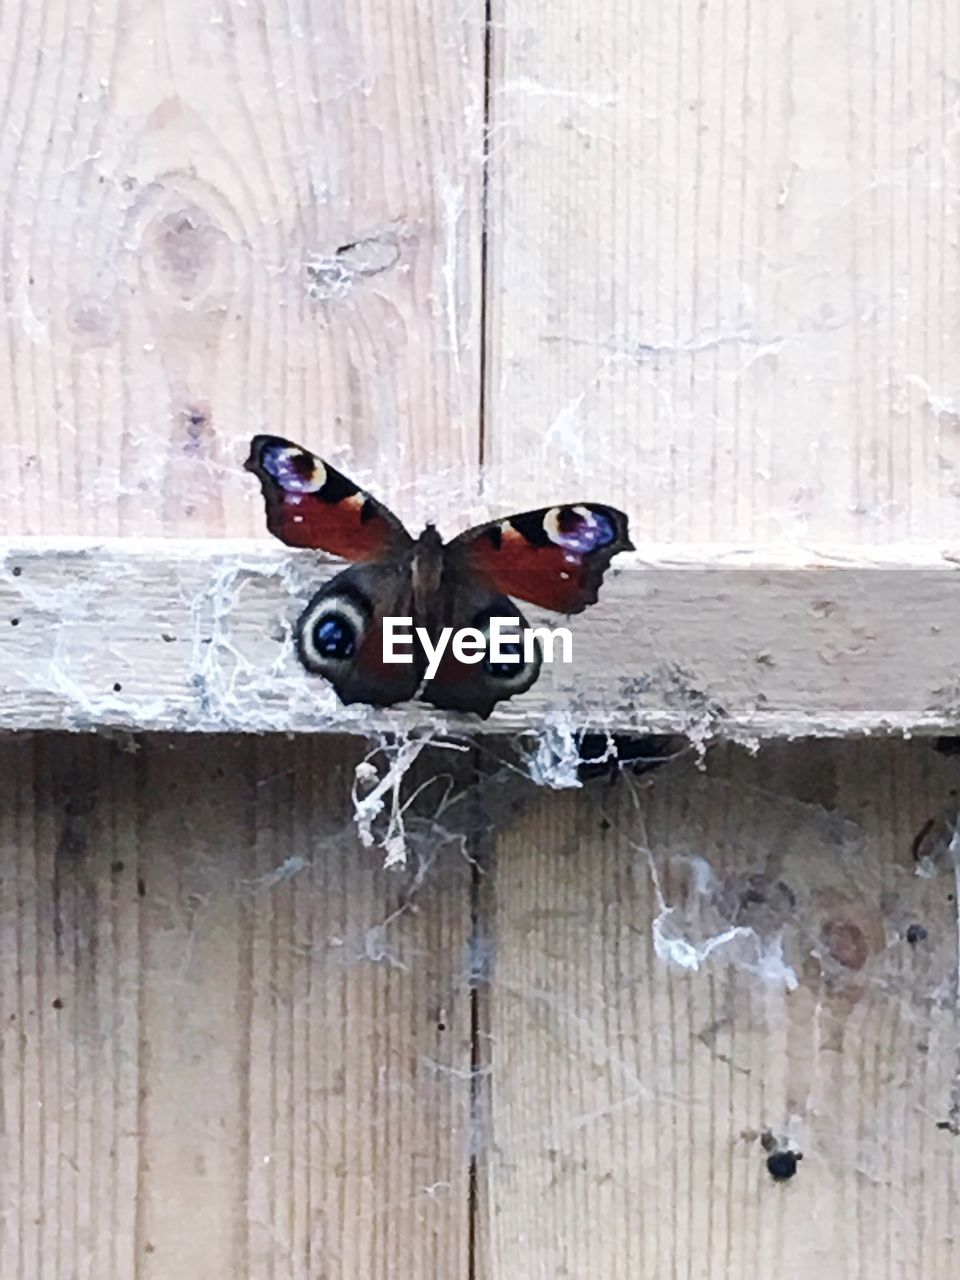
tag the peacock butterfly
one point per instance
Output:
(554, 557)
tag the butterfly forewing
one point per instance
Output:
(554, 557)
(310, 504)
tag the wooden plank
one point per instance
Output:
(696, 972)
(195, 635)
(230, 1043)
(723, 288)
(219, 220)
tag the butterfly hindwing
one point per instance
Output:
(309, 504)
(554, 557)
(340, 633)
(478, 686)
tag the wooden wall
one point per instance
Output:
(699, 260)
(706, 252)
(233, 1044)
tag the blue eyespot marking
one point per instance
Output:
(504, 670)
(334, 637)
(579, 529)
(294, 470)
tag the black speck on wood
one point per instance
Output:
(782, 1165)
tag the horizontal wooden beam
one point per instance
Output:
(709, 641)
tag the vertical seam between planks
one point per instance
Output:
(252, 766)
(484, 234)
(477, 979)
(139, 1208)
(473, 1198)
(473, 1173)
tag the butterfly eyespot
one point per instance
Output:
(512, 666)
(294, 470)
(510, 661)
(578, 529)
(506, 669)
(330, 631)
(334, 637)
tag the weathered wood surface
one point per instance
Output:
(232, 1044)
(720, 280)
(707, 253)
(225, 219)
(723, 285)
(691, 974)
(194, 635)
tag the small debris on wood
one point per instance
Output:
(782, 1160)
(782, 1165)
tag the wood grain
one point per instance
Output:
(722, 285)
(222, 219)
(231, 1043)
(648, 1043)
(194, 635)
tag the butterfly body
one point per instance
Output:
(554, 558)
